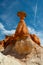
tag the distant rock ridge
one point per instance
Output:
(21, 33)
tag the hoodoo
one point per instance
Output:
(21, 28)
(20, 33)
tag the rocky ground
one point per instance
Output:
(10, 57)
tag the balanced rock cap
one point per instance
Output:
(20, 14)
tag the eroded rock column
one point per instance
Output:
(21, 28)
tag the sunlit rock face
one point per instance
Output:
(35, 39)
(1, 45)
(22, 29)
(23, 46)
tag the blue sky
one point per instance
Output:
(9, 19)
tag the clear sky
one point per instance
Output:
(9, 18)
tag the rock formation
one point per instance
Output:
(1, 43)
(20, 33)
(35, 38)
(21, 48)
(24, 52)
(22, 29)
